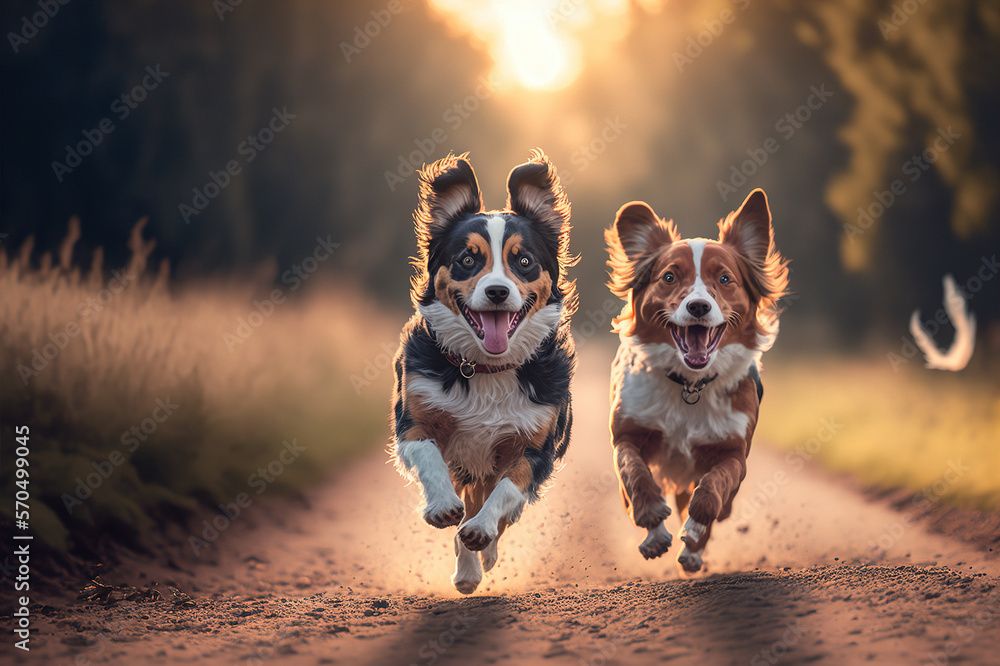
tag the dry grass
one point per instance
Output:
(913, 429)
(289, 379)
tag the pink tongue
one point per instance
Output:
(696, 338)
(495, 325)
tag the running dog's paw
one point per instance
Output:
(651, 515)
(689, 561)
(476, 536)
(692, 532)
(656, 542)
(489, 555)
(444, 512)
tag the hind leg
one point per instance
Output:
(468, 572)
(489, 555)
(504, 503)
(690, 557)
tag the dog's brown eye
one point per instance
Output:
(725, 279)
(669, 277)
(468, 260)
(524, 261)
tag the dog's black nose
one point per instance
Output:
(699, 308)
(497, 294)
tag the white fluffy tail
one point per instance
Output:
(958, 355)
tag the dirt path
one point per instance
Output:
(806, 570)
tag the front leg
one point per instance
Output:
(642, 497)
(504, 503)
(716, 489)
(443, 507)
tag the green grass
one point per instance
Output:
(289, 380)
(910, 429)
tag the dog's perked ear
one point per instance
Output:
(637, 231)
(449, 192)
(534, 192)
(748, 230)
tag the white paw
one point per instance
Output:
(468, 573)
(656, 542)
(444, 510)
(689, 561)
(489, 555)
(692, 531)
(477, 535)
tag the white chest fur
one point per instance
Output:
(654, 401)
(492, 409)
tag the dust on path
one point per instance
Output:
(807, 569)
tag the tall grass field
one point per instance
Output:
(934, 433)
(145, 400)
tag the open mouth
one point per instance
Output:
(697, 343)
(495, 327)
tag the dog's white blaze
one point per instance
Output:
(455, 335)
(422, 461)
(493, 407)
(698, 292)
(468, 573)
(654, 401)
(506, 501)
(495, 227)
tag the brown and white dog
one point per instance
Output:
(685, 387)
(481, 406)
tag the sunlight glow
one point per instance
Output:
(538, 44)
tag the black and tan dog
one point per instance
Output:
(685, 387)
(481, 407)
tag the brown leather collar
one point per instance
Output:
(469, 369)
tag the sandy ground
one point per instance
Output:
(807, 570)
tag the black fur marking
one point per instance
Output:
(545, 378)
(542, 464)
(445, 251)
(542, 247)
(423, 357)
(755, 376)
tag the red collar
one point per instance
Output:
(470, 369)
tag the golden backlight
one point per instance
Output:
(538, 44)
